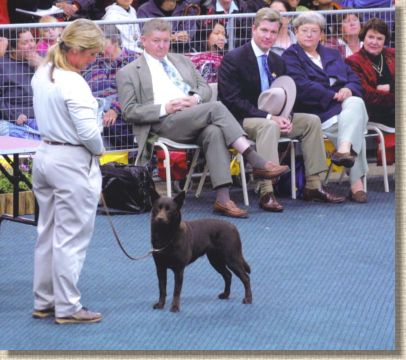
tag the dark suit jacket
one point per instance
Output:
(314, 92)
(239, 82)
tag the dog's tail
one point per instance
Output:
(246, 266)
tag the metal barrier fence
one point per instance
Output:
(204, 39)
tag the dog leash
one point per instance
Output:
(118, 238)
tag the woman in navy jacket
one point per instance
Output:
(327, 87)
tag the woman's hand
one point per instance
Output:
(342, 94)
(109, 118)
(383, 87)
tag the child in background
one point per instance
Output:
(48, 36)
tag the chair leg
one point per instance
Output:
(191, 170)
(330, 169)
(293, 170)
(202, 180)
(167, 166)
(243, 179)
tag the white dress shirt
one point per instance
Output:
(164, 89)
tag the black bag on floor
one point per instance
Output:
(127, 187)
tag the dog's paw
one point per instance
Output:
(175, 308)
(224, 296)
(158, 306)
(247, 301)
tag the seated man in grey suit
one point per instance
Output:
(163, 94)
(244, 74)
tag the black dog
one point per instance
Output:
(182, 242)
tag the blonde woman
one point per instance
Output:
(66, 174)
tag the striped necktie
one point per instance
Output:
(175, 77)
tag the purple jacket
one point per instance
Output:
(314, 92)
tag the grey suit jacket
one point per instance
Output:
(134, 83)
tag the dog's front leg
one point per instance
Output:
(176, 292)
(161, 272)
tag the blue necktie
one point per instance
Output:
(265, 66)
(175, 77)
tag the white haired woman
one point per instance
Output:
(66, 173)
(329, 88)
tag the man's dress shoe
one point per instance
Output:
(321, 195)
(271, 171)
(268, 202)
(229, 209)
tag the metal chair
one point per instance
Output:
(378, 130)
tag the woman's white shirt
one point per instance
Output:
(65, 110)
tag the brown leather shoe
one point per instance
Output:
(268, 202)
(343, 159)
(358, 197)
(271, 171)
(229, 209)
(321, 195)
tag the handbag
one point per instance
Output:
(127, 187)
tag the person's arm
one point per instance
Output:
(230, 90)
(372, 95)
(81, 106)
(309, 92)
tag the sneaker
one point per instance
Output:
(42, 314)
(82, 316)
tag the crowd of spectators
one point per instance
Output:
(204, 42)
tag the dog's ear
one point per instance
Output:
(179, 199)
(154, 195)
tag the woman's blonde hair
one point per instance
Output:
(81, 34)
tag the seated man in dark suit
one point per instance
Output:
(247, 71)
(163, 94)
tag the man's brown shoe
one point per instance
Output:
(359, 197)
(271, 171)
(343, 159)
(268, 202)
(321, 195)
(230, 209)
(83, 316)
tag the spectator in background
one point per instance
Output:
(182, 31)
(327, 87)
(324, 5)
(297, 6)
(286, 37)
(359, 4)
(90, 9)
(4, 18)
(375, 66)
(16, 70)
(122, 10)
(3, 45)
(252, 6)
(101, 77)
(349, 26)
(213, 43)
(48, 35)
